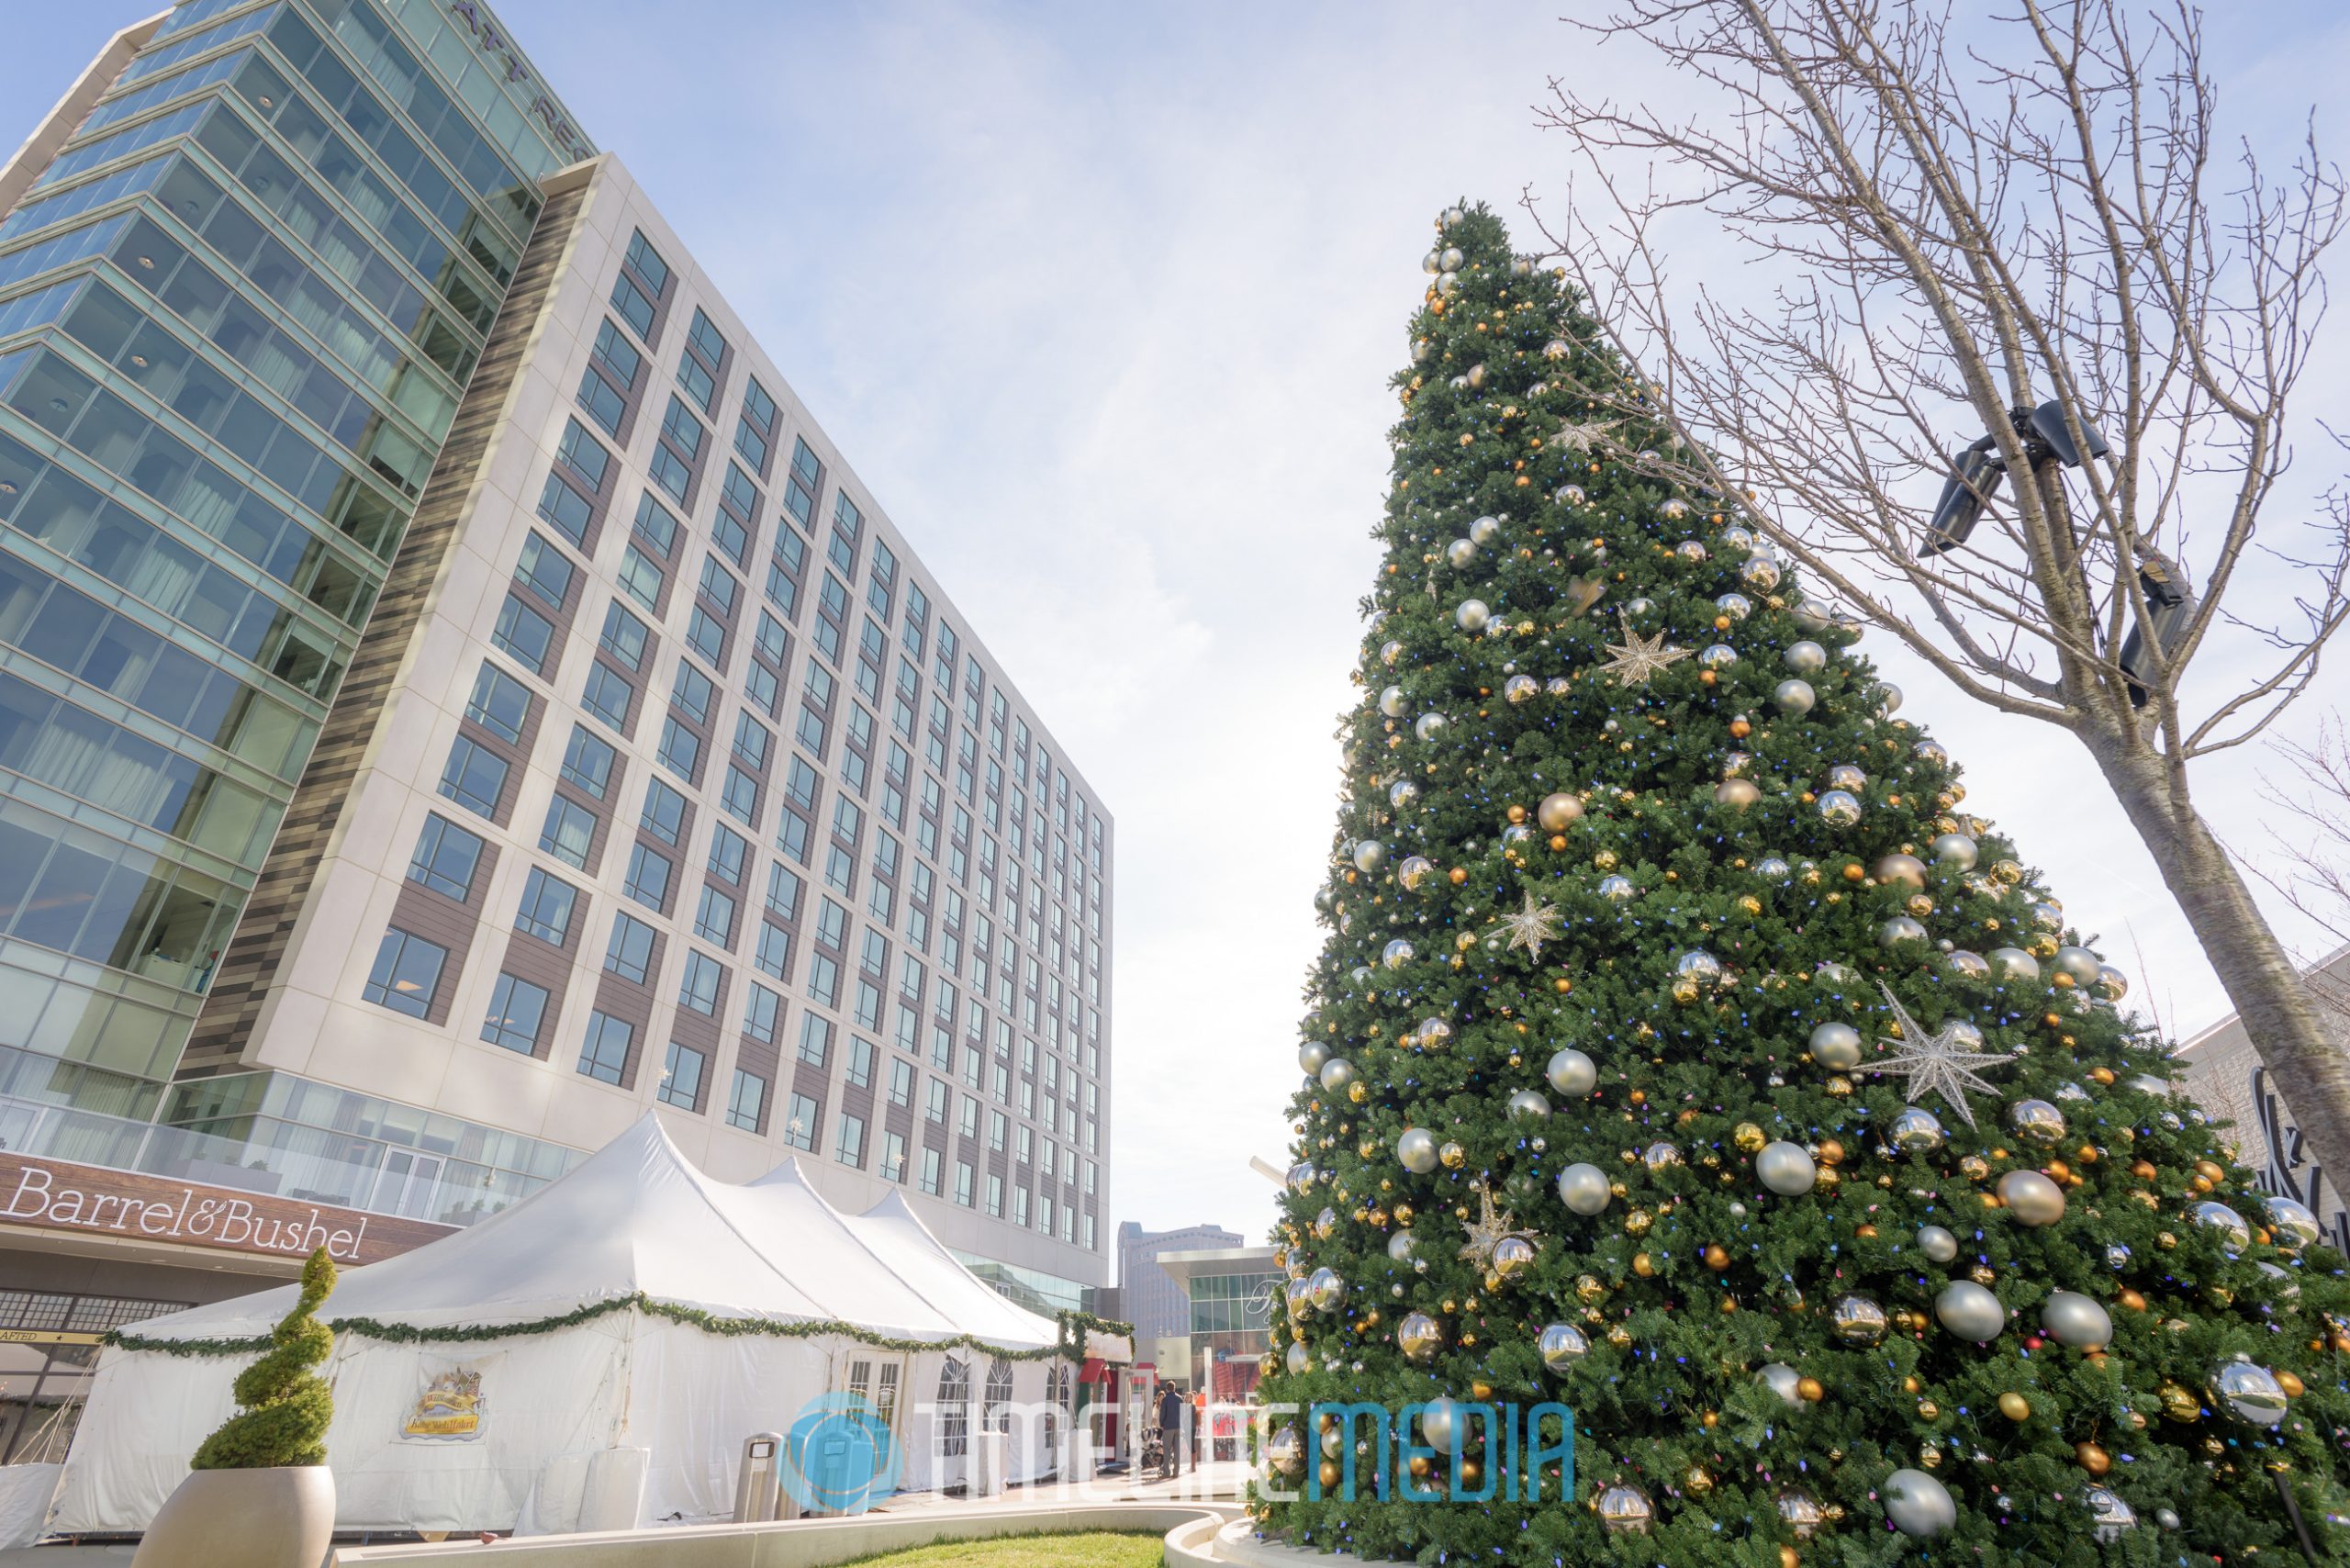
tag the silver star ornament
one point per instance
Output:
(1937, 1063)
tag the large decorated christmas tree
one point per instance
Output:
(1684, 1053)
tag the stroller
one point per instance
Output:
(1153, 1458)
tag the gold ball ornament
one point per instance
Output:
(2015, 1406)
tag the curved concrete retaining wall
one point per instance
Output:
(816, 1543)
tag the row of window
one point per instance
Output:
(405, 976)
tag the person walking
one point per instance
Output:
(1171, 1431)
(1199, 1423)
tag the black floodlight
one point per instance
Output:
(2168, 604)
(2045, 426)
(1974, 476)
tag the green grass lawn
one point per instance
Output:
(1084, 1549)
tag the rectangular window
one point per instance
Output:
(728, 853)
(801, 1126)
(523, 632)
(544, 570)
(746, 1107)
(714, 920)
(640, 578)
(793, 835)
(473, 777)
(546, 908)
(500, 703)
(783, 893)
(740, 798)
(699, 384)
(848, 1146)
(617, 355)
(695, 693)
(824, 980)
(648, 877)
(815, 1039)
(762, 1014)
(588, 761)
(630, 953)
(963, 1174)
(893, 1157)
(681, 1077)
(635, 308)
(584, 455)
(405, 971)
(704, 979)
(929, 1180)
(901, 1083)
(647, 262)
(608, 696)
(680, 749)
(665, 812)
(669, 471)
(567, 509)
(625, 637)
(861, 1054)
(995, 1197)
(706, 635)
(517, 1008)
(774, 955)
(445, 857)
(602, 404)
(569, 832)
(603, 1055)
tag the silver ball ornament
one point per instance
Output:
(1572, 1073)
(1370, 854)
(2013, 965)
(1956, 850)
(2077, 965)
(1394, 703)
(1472, 615)
(1839, 807)
(2294, 1225)
(1937, 1243)
(1836, 1046)
(1459, 554)
(1337, 1073)
(1526, 1105)
(1916, 1131)
(1785, 1169)
(1485, 529)
(1415, 1148)
(1428, 726)
(1561, 1345)
(1311, 1056)
(2076, 1320)
(1970, 1311)
(1795, 697)
(1420, 1337)
(2034, 1198)
(1625, 1509)
(1919, 1506)
(1781, 1380)
(2249, 1393)
(2235, 1234)
(1584, 1188)
(2037, 1122)
(1805, 658)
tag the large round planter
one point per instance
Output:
(245, 1518)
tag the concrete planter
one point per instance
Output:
(243, 1518)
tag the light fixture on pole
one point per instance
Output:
(2167, 606)
(1977, 472)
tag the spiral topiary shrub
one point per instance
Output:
(285, 1403)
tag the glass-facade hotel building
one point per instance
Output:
(453, 697)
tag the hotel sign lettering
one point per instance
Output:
(91, 1200)
(495, 44)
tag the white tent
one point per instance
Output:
(493, 1433)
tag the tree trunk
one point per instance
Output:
(2279, 1013)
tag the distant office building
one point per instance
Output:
(1149, 1298)
(452, 697)
(2224, 1074)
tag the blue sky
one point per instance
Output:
(1100, 300)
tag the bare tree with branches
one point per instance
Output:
(1953, 237)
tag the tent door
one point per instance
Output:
(879, 1378)
(405, 1186)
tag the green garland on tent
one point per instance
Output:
(1068, 1341)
